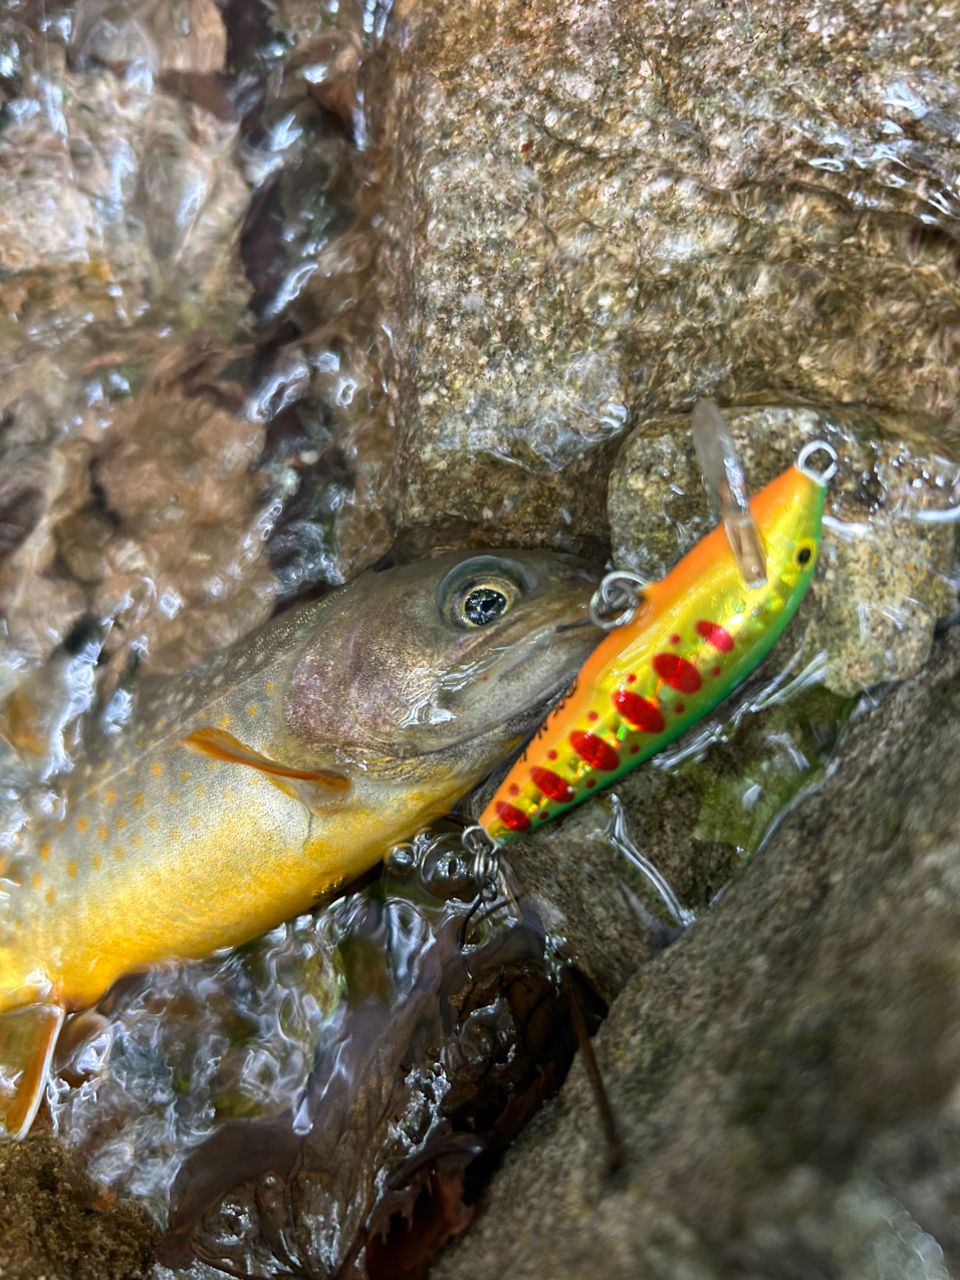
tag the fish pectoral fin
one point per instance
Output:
(27, 1039)
(312, 787)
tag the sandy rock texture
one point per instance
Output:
(58, 1225)
(605, 210)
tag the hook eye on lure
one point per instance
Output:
(684, 646)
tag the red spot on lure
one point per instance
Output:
(715, 635)
(512, 817)
(699, 631)
(552, 785)
(677, 672)
(597, 753)
(638, 712)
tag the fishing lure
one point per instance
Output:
(693, 637)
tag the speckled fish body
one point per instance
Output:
(697, 634)
(245, 788)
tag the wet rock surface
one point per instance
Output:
(58, 1224)
(602, 212)
(784, 1076)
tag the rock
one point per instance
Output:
(111, 194)
(120, 214)
(58, 1225)
(597, 909)
(883, 581)
(601, 212)
(785, 1075)
(183, 571)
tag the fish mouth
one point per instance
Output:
(559, 649)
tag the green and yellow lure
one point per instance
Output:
(695, 636)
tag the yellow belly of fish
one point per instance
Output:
(254, 863)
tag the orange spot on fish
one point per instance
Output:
(121, 822)
(175, 835)
(252, 709)
(45, 850)
(184, 775)
(118, 852)
(638, 712)
(82, 823)
(103, 832)
(138, 800)
(138, 842)
(269, 686)
(677, 672)
(51, 896)
(225, 722)
(96, 862)
(153, 822)
(198, 789)
(71, 869)
(110, 795)
(157, 769)
(173, 798)
(37, 880)
(194, 821)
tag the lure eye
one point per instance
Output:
(482, 605)
(804, 553)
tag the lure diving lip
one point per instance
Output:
(696, 634)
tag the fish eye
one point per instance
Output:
(804, 553)
(482, 605)
(478, 592)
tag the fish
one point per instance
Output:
(241, 791)
(696, 635)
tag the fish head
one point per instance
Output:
(459, 654)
